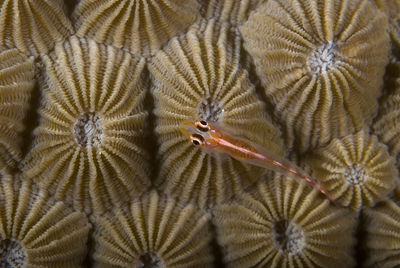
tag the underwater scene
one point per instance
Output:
(200, 133)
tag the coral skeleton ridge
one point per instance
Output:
(198, 76)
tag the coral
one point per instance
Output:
(284, 223)
(392, 9)
(236, 12)
(36, 231)
(198, 76)
(141, 26)
(33, 26)
(88, 148)
(314, 59)
(356, 170)
(153, 232)
(16, 84)
(383, 233)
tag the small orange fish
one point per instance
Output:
(213, 139)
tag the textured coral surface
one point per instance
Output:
(96, 171)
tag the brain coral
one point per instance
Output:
(141, 26)
(153, 232)
(88, 147)
(199, 76)
(356, 170)
(33, 26)
(16, 84)
(36, 231)
(233, 11)
(314, 59)
(383, 233)
(284, 223)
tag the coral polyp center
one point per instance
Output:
(88, 129)
(322, 59)
(12, 254)
(210, 110)
(150, 260)
(355, 174)
(288, 237)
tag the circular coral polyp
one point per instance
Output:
(33, 26)
(153, 231)
(284, 223)
(88, 129)
(198, 76)
(140, 26)
(36, 230)
(321, 63)
(88, 149)
(355, 170)
(16, 84)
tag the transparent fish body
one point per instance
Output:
(214, 139)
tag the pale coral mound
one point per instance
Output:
(140, 26)
(154, 231)
(321, 63)
(284, 223)
(88, 148)
(199, 76)
(36, 230)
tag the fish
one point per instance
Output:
(213, 139)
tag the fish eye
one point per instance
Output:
(197, 139)
(202, 125)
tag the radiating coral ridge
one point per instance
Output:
(37, 231)
(140, 26)
(33, 26)
(284, 223)
(199, 76)
(153, 231)
(315, 60)
(16, 84)
(88, 147)
(356, 170)
(383, 234)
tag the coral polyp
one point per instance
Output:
(140, 26)
(33, 26)
(36, 230)
(88, 147)
(153, 231)
(199, 76)
(16, 84)
(383, 233)
(356, 170)
(284, 223)
(314, 59)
